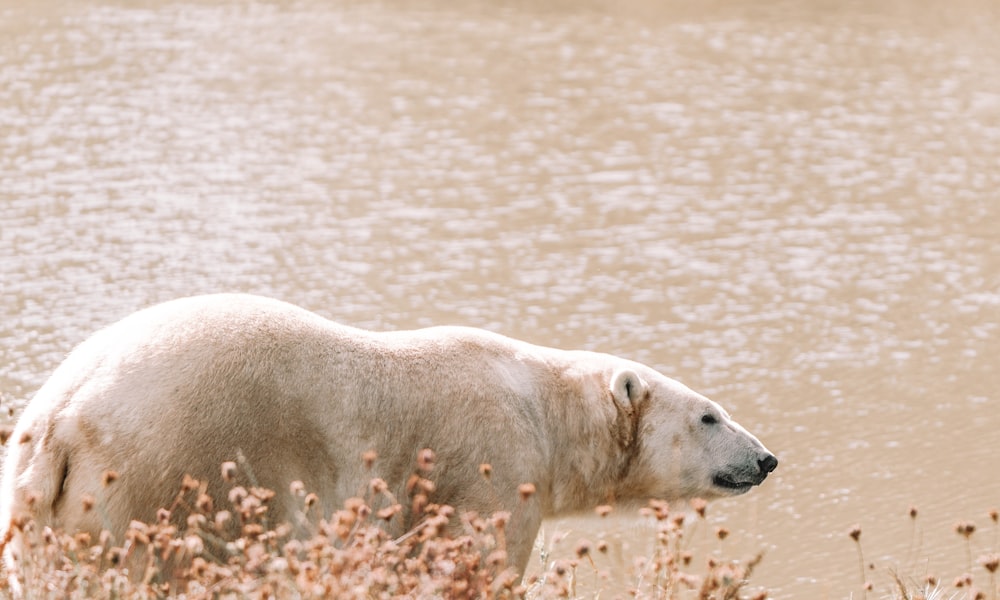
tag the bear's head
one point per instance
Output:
(686, 446)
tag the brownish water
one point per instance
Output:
(790, 206)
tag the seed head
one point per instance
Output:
(25, 438)
(297, 488)
(228, 471)
(603, 510)
(237, 495)
(582, 549)
(368, 458)
(425, 460)
(499, 519)
(389, 512)
(602, 546)
(204, 503)
(221, 518)
(311, 499)
(196, 521)
(189, 483)
(163, 516)
(994, 515)
(990, 562)
(913, 512)
(354, 504)
(660, 509)
(419, 503)
(115, 556)
(264, 494)
(5, 433)
(137, 532)
(855, 533)
(699, 506)
(965, 529)
(88, 502)
(527, 490)
(109, 477)
(722, 533)
(199, 567)
(496, 558)
(486, 470)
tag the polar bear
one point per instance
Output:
(184, 386)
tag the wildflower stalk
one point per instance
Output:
(855, 534)
(966, 529)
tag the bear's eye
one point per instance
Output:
(709, 419)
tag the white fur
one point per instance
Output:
(183, 386)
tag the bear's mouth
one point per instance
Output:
(728, 483)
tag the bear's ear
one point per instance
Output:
(627, 387)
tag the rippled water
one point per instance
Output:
(790, 206)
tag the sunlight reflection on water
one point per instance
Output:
(795, 215)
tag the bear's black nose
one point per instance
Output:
(767, 464)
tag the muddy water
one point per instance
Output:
(791, 206)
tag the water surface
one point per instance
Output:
(790, 206)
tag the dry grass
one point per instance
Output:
(194, 550)
(348, 555)
(977, 582)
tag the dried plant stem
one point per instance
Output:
(855, 534)
(914, 550)
(900, 586)
(968, 552)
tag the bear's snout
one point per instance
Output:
(767, 464)
(738, 479)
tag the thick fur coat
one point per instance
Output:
(184, 386)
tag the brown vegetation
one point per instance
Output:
(968, 585)
(347, 555)
(196, 550)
